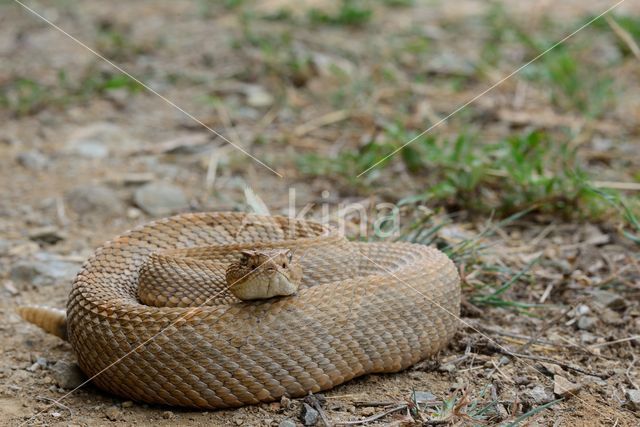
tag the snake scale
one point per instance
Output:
(361, 308)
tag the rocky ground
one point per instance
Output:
(86, 154)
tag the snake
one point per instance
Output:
(152, 317)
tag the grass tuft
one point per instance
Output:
(353, 13)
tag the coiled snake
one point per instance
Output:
(361, 308)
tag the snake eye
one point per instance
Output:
(284, 265)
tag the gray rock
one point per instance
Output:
(308, 415)
(5, 245)
(113, 413)
(539, 395)
(67, 375)
(91, 150)
(582, 309)
(33, 160)
(287, 422)
(587, 323)
(633, 399)
(95, 200)
(40, 363)
(424, 397)
(609, 299)
(160, 199)
(44, 269)
(258, 97)
(587, 338)
(99, 140)
(48, 234)
(562, 387)
(451, 65)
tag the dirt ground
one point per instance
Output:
(86, 155)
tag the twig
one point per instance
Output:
(327, 119)
(617, 185)
(373, 417)
(313, 401)
(513, 335)
(505, 376)
(555, 362)
(56, 403)
(624, 36)
(603, 344)
(544, 329)
(373, 404)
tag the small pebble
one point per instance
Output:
(285, 402)
(424, 396)
(562, 387)
(582, 309)
(127, 404)
(287, 422)
(167, 415)
(159, 199)
(633, 399)
(112, 413)
(67, 375)
(587, 323)
(308, 415)
(539, 396)
(33, 160)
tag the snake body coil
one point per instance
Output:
(361, 308)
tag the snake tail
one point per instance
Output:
(51, 320)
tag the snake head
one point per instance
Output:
(266, 273)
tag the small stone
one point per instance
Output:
(633, 399)
(10, 288)
(587, 338)
(287, 422)
(447, 367)
(611, 317)
(127, 404)
(308, 415)
(539, 395)
(160, 199)
(424, 397)
(55, 414)
(40, 363)
(521, 380)
(45, 269)
(285, 402)
(582, 309)
(48, 234)
(98, 140)
(274, 406)
(367, 412)
(451, 65)
(258, 97)
(167, 415)
(113, 413)
(587, 323)
(33, 160)
(562, 387)
(609, 299)
(67, 375)
(95, 200)
(238, 420)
